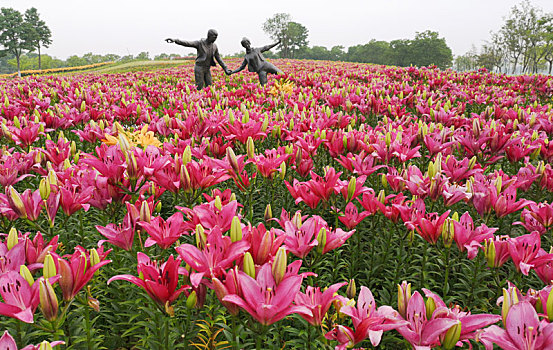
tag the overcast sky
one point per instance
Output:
(132, 26)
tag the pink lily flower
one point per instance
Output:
(318, 302)
(12, 259)
(263, 243)
(266, 301)
(160, 281)
(468, 238)
(351, 217)
(218, 255)
(268, 164)
(164, 233)
(73, 198)
(121, 235)
(303, 193)
(36, 249)
(8, 343)
(525, 252)
(20, 299)
(370, 321)
(430, 226)
(523, 331)
(421, 332)
(335, 239)
(300, 241)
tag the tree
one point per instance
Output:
(429, 49)
(293, 35)
(40, 34)
(14, 34)
(276, 27)
(143, 56)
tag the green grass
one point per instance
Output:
(137, 66)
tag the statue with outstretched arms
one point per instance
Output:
(255, 61)
(207, 55)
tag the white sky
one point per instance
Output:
(132, 26)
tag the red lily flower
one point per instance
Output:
(159, 281)
(76, 272)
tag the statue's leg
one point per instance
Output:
(199, 77)
(208, 80)
(262, 77)
(271, 68)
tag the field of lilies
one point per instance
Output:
(343, 205)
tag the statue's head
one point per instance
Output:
(212, 35)
(245, 43)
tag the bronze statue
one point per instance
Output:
(256, 62)
(207, 51)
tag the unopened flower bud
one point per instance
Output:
(235, 230)
(351, 290)
(296, 219)
(249, 265)
(250, 148)
(549, 306)
(403, 297)
(44, 188)
(268, 213)
(321, 239)
(94, 257)
(192, 300)
(27, 275)
(430, 307)
(231, 157)
(489, 252)
(49, 269)
(186, 155)
(145, 213)
(13, 238)
(279, 265)
(201, 237)
(452, 336)
(448, 232)
(48, 300)
(17, 202)
(352, 186)
(282, 170)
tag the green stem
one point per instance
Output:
(88, 327)
(423, 265)
(446, 279)
(474, 278)
(166, 336)
(18, 336)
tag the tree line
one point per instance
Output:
(523, 44)
(426, 48)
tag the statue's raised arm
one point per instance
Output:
(207, 53)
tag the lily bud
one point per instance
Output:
(66, 279)
(249, 265)
(381, 196)
(296, 219)
(549, 306)
(235, 230)
(279, 265)
(452, 336)
(201, 237)
(282, 170)
(186, 155)
(94, 257)
(403, 297)
(448, 232)
(48, 300)
(351, 291)
(49, 269)
(26, 273)
(472, 162)
(384, 181)
(145, 213)
(158, 207)
(45, 346)
(124, 143)
(498, 184)
(44, 189)
(430, 307)
(321, 239)
(17, 202)
(268, 213)
(250, 147)
(352, 186)
(510, 298)
(13, 238)
(192, 300)
(218, 204)
(231, 157)
(489, 252)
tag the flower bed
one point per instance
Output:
(342, 205)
